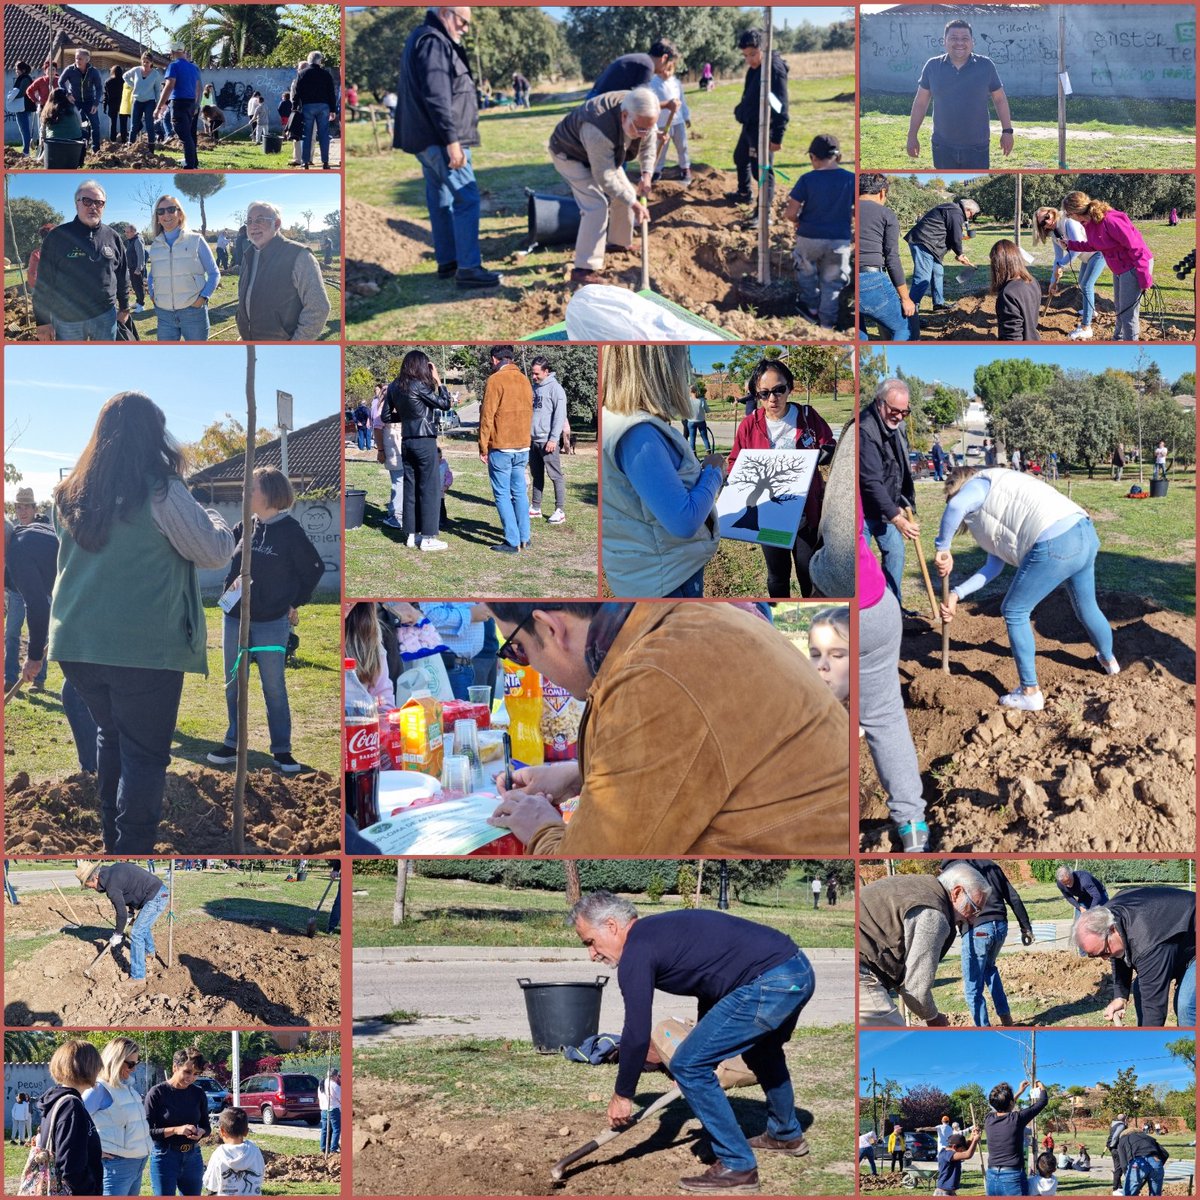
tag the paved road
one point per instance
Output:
(482, 998)
(301, 1132)
(43, 881)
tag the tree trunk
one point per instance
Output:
(403, 866)
(699, 880)
(571, 869)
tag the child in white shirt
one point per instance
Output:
(236, 1167)
(1046, 1183)
(668, 89)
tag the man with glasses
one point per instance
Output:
(674, 756)
(437, 119)
(85, 85)
(281, 295)
(885, 479)
(906, 924)
(960, 83)
(590, 147)
(137, 896)
(1149, 932)
(745, 153)
(82, 287)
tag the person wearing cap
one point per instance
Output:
(939, 232)
(138, 899)
(182, 91)
(822, 206)
(14, 603)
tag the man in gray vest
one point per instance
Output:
(590, 147)
(281, 295)
(906, 924)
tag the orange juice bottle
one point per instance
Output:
(523, 699)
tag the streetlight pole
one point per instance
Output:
(723, 893)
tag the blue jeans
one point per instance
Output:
(453, 201)
(506, 472)
(868, 1152)
(363, 434)
(83, 726)
(395, 506)
(691, 428)
(182, 324)
(1088, 274)
(980, 948)
(176, 1171)
(690, 588)
(1185, 998)
(950, 157)
(754, 1020)
(331, 1130)
(94, 329)
(270, 674)
(878, 298)
(1069, 558)
(25, 125)
(141, 934)
(335, 916)
(123, 1176)
(182, 119)
(927, 272)
(1144, 1170)
(135, 709)
(318, 115)
(822, 271)
(143, 118)
(1006, 1181)
(891, 551)
(93, 120)
(14, 619)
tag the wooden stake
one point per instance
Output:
(933, 604)
(645, 231)
(374, 131)
(67, 902)
(946, 626)
(243, 679)
(764, 152)
(170, 912)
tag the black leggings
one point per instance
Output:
(422, 485)
(781, 561)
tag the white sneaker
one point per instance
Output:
(534, 512)
(557, 517)
(1108, 666)
(434, 544)
(1019, 699)
(1082, 334)
(137, 308)
(412, 541)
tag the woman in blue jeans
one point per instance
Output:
(1005, 1130)
(1049, 224)
(119, 1114)
(177, 1112)
(26, 114)
(183, 275)
(1025, 523)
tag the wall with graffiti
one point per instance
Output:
(1120, 50)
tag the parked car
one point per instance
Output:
(922, 1146)
(282, 1096)
(218, 1096)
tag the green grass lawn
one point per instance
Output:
(1147, 547)
(38, 740)
(561, 562)
(513, 157)
(459, 912)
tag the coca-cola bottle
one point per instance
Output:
(360, 750)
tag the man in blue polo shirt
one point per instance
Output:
(960, 84)
(182, 90)
(751, 983)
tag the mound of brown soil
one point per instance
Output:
(111, 157)
(880, 1182)
(18, 316)
(302, 1168)
(1110, 765)
(300, 815)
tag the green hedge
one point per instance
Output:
(1116, 870)
(618, 875)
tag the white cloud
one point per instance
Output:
(52, 386)
(52, 455)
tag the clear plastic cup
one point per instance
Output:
(456, 774)
(480, 694)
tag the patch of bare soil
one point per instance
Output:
(111, 157)
(302, 1168)
(300, 815)
(226, 972)
(18, 316)
(1110, 765)
(880, 1182)
(379, 246)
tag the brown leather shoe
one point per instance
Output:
(796, 1147)
(586, 275)
(719, 1180)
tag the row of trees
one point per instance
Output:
(820, 369)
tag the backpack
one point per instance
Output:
(41, 1175)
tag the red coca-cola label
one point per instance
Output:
(362, 747)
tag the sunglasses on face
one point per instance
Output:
(167, 211)
(780, 389)
(512, 649)
(895, 412)
(131, 1063)
(260, 220)
(92, 202)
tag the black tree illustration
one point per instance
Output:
(770, 478)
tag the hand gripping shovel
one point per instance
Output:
(557, 1171)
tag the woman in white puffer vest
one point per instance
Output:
(183, 275)
(119, 1114)
(1025, 523)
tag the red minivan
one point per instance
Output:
(281, 1096)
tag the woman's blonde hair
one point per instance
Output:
(113, 1057)
(75, 1064)
(156, 225)
(1083, 208)
(957, 480)
(653, 379)
(1044, 222)
(364, 641)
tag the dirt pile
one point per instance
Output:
(1109, 766)
(1056, 976)
(300, 815)
(302, 1168)
(880, 1182)
(18, 316)
(226, 973)
(111, 157)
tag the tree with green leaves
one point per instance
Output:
(196, 185)
(1184, 1048)
(360, 384)
(872, 370)
(1002, 378)
(332, 222)
(309, 27)
(23, 217)
(221, 440)
(965, 1099)
(231, 35)
(1185, 385)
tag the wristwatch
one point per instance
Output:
(1006, 131)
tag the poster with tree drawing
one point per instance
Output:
(763, 498)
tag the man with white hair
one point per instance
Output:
(751, 982)
(940, 231)
(281, 295)
(82, 287)
(906, 924)
(590, 147)
(437, 119)
(182, 90)
(1149, 932)
(316, 94)
(85, 85)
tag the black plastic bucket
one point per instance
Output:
(356, 507)
(553, 220)
(1158, 488)
(272, 143)
(562, 1014)
(64, 155)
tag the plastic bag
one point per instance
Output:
(599, 312)
(424, 675)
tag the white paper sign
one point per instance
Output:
(764, 496)
(452, 827)
(1065, 82)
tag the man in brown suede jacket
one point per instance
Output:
(681, 752)
(505, 419)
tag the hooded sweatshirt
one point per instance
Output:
(235, 1170)
(75, 1142)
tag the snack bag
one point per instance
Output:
(561, 714)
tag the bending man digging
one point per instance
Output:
(751, 982)
(137, 896)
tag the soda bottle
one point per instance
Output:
(523, 700)
(360, 750)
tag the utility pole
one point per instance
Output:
(874, 1104)
(1033, 1142)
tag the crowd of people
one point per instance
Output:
(82, 273)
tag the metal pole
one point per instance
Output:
(1062, 95)
(243, 679)
(764, 153)
(1017, 213)
(283, 458)
(237, 1069)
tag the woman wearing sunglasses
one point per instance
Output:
(119, 1114)
(183, 275)
(778, 424)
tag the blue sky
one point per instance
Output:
(782, 16)
(950, 1059)
(290, 193)
(159, 40)
(51, 396)
(703, 356)
(955, 365)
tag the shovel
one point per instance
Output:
(74, 916)
(557, 1171)
(103, 951)
(908, 512)
(645, 231)
(946, 628)
(311, 928)
(12, 691)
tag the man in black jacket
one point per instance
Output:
(82, 287)
(1137, 1159)
(885, 479)
(745, 153)
(85, 85)
(316, 96)
(940, 230)
(437, 119)
(137, 897)
(1150, 932)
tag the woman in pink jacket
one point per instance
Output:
(1110, 232)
